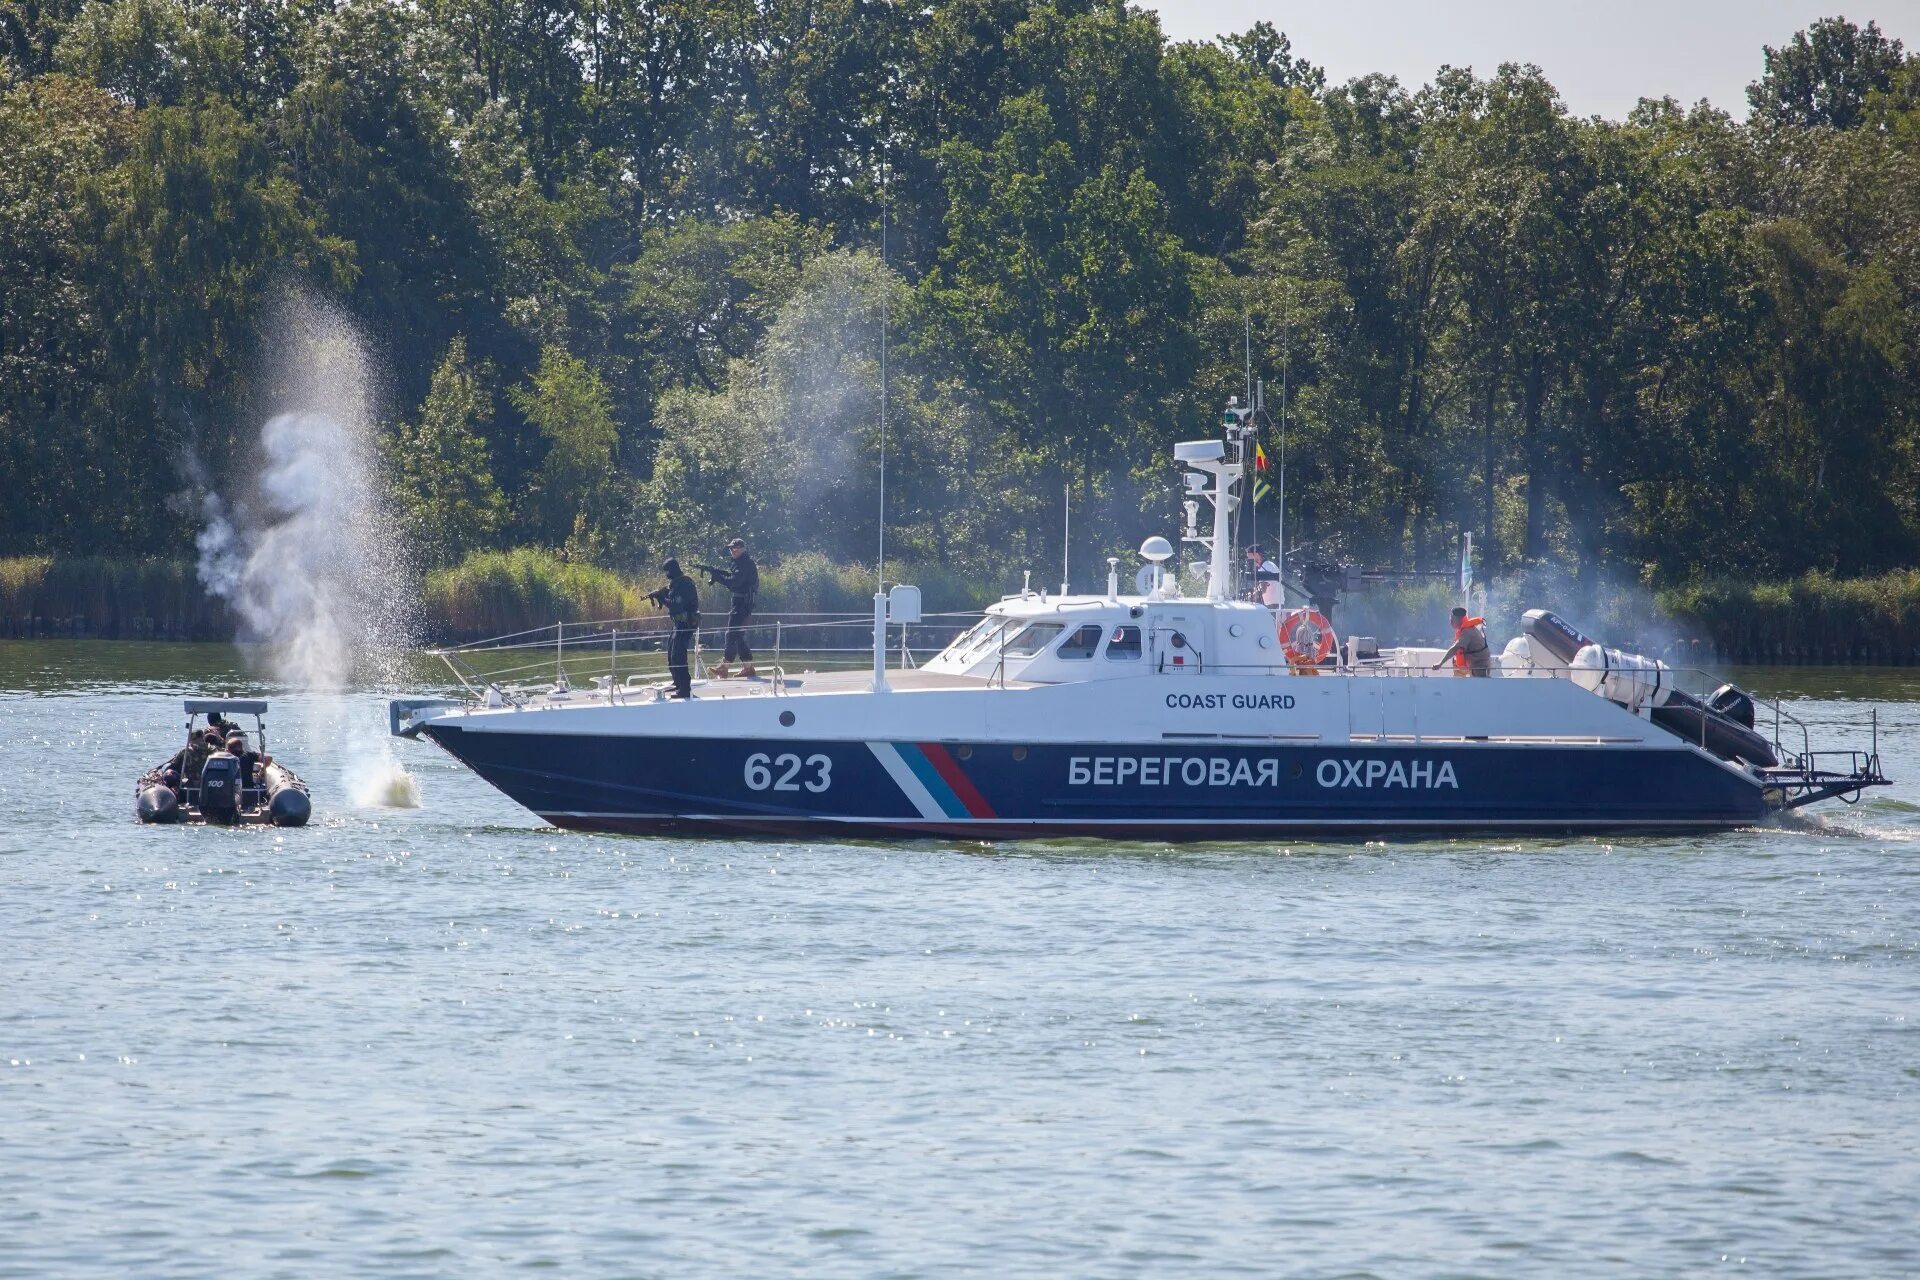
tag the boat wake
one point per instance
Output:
(1872, 820)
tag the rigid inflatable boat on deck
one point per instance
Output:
(1154, 714)
(221, 792)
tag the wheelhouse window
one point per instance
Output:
(1125, 644)
(974, 636)
(1033, 639)
(1082, 643)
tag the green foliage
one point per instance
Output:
(1825, 75)
(58, 137)
(811, 583)
(786, 452)
(568, 404)
(495, 592)
(674, 233)
(201, 225)
(1812, 618)
(152, 52)
(444, 483)
(703, 293)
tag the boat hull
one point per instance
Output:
(1169, 790)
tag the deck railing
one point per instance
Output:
(625, 658)
(622, 656)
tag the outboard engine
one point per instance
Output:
(220, 788)
(156, 802)
(288, 804)
(1733, 702)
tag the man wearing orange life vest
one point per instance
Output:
(1469, 653)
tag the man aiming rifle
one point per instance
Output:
(742, 582)
(681, 599)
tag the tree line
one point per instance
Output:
(632, 269)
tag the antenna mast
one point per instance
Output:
(880, 562)
(1247, 500)
(1280, 526)
(1066, 532)
(1246, 320)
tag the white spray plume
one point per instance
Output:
(314, 566)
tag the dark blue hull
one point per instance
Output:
(1163, 791)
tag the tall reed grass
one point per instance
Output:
(1814, 619)
(108, 597)
(495, 592)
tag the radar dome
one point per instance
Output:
(1156, 549)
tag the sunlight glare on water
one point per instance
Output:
(445, 1040)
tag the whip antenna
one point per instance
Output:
(1066, 533)
(880, 562)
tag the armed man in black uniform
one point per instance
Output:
(681, 599)
(742, 582)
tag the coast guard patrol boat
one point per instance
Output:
(1152, 714)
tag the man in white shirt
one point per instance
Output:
(1265, 585)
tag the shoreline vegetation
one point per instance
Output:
(616, 280)
(1812, 620)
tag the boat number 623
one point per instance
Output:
(788, 772)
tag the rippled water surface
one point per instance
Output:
(446, 1041)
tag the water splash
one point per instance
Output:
(313, 565)
(381, 783)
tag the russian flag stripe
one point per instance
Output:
(930, 778)
(956, 778)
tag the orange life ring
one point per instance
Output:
(1313, 633)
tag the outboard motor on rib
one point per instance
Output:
(219, 797)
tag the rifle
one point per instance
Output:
(658, 599)
(715, 574)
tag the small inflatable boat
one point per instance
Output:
(206, 781)
(1721, 723)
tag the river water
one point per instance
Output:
(447, 1041)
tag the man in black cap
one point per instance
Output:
(742, 582)
(681, 599)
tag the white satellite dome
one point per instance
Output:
(1156, 549)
